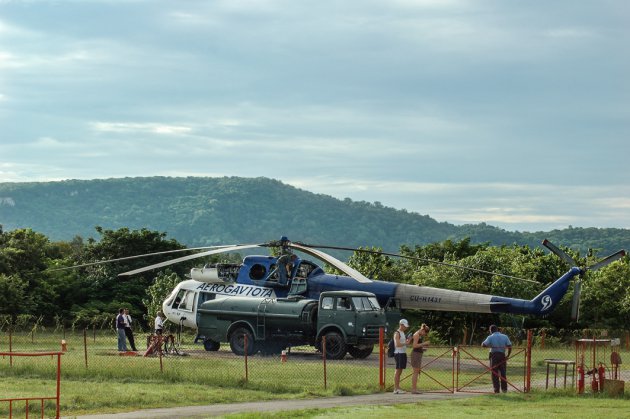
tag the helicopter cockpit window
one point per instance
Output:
(178, 299)
(366, 303)
(187, 301)
(304, 269)
(257, 272)
(327, 303)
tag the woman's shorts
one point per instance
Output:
(416, 359)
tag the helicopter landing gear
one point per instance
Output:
(360, 352)
(271, 348)
(210, 345)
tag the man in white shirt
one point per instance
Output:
(159, 323)
(400, 353)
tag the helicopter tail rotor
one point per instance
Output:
(560, 253)
(607, 260)
(577, 289)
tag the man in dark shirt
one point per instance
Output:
(120, 328)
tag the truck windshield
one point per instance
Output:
(365, 303)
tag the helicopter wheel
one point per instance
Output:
(335, 346)
(271, 348)
(210, 345)
(360, 352)
(237, 341)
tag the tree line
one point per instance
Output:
(36, 284)
(200, 211)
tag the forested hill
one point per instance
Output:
(202, 211)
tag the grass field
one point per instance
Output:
(513, 406)
(109, 383)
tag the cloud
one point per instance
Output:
(463, 110)
(131, 127)
(521, 206)
(569, 33)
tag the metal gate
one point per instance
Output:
(474, 373)
(27, 400)
(463, 369)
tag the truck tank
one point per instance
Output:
(282, 313)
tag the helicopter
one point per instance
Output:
(288, 276)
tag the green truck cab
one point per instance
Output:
(348, 320)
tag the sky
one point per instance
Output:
(510, 113)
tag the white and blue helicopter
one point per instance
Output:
(265, 277)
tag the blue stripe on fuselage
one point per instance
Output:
(542, 304)
(326, 282)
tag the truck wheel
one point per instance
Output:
(237, 341)
(360, 352)
(210, 345)
(335, 346)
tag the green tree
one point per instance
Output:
(605, 297)
(105, 285)
(157, 292)
(375, 265)
(23, 259)
(14, 296)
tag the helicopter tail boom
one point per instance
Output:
(428, 298)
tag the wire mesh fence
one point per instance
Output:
(93, 354)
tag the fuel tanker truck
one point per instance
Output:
(349, 320)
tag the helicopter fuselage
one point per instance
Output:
(257, 277)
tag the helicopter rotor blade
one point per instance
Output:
(560, 253)
(435, 262)
(332, 261)
(577, 290)
(607, 260)
(166, 252)
(190, 257)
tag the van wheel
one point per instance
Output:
(360, 352)
(237, 341)
(335, 346)
(210, 345)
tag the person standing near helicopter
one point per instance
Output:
(285, 261)
(498, 343)
(159, 323)
(418, 346)
(129, 330)
(400, 353)
(120, 329)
